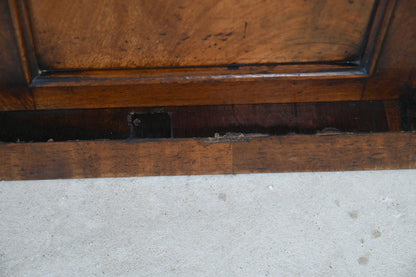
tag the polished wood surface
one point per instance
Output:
(78, 34)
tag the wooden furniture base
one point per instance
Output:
(92, 88)
(209, 140)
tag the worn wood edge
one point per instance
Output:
(260, 154)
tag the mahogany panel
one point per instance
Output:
(79, 34)
(293, 81)
(393, 76)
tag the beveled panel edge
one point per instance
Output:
(362, 68)
(381, 18)
(118, 77)
(24, 40)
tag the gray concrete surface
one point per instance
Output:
(303, 224)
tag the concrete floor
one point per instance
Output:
(303, 224)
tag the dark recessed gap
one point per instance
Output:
(349, 62)
(197, 121)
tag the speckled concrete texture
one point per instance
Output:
(296, 224)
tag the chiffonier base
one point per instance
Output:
(229, 139)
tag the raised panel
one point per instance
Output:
(90, 53)
(100, 34)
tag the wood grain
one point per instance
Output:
(203, 156)
(77, 34)
(200, 93)
(326, 153)
(112, 159)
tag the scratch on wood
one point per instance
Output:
(245, 29)
(233, 137)
(330, 131)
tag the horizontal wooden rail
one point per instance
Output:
(220, 155)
